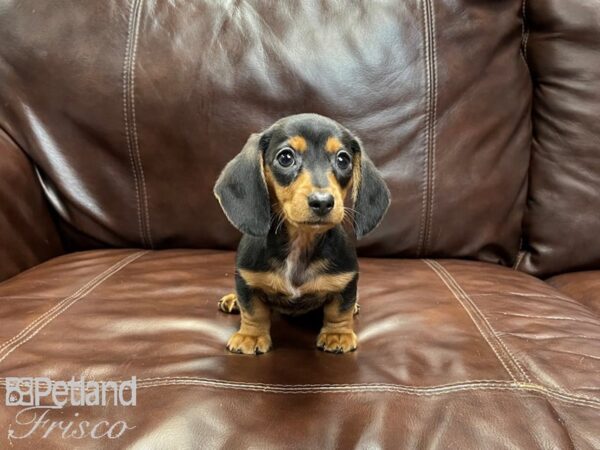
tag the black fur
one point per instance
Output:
(265, 254)
(264, 247)
(242, 192)
(373, 198)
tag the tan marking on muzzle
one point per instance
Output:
(292, 200)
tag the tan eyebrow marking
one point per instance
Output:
(298, 143)
(333, 144)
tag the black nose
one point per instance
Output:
(320, 202)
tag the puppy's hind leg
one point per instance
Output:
(229, 304)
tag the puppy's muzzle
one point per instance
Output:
(321, 203)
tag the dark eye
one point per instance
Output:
(285, 158)
(343, 160)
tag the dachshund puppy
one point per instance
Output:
(285, 192)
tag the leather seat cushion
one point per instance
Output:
(450, 351)
(582, 286)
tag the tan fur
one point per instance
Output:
(269, 282)
(228, 304)
(298, 143)
(337, 334)
(277, 283)
(339, 194)
(292, 200)
(253, 336)
(356, 176)
(302, 238)
(327, 283)
(333, 144)
(320, 265)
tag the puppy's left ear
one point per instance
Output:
(242, 191)
(370, 194)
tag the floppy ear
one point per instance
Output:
(370, 194)
(242, 191)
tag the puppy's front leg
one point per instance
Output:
(253, 337)
(337, 334)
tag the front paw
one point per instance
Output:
(229, 304)
(337, 342)
(249, 345)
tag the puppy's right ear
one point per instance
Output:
(242, 191)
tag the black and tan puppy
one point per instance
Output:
(285, 191)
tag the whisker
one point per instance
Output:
(281, 220)
(347, 208)
(350, 222)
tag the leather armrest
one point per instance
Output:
(28, 236)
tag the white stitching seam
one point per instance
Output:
(432, 136)
(321, 385)
(430, 123)
(57, 306)
(134, 123)
(128, 139)
(484, 318)
(461, 299)
(37, 325)
(131, 133)
(514, 360)
(424, 391)
(521, 294)
(427, 119)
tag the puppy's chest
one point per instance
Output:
(295, 295)
(297, 284)
(295, 272)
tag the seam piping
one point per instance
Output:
(423, 391)
(130, 120)
(430, 125)
(38, 324)
(524, 30)
(473, 312)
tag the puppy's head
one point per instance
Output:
(301, 169)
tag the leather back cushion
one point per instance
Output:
(562, 225)
(131, 109)
(28, 236)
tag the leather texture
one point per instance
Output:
(120, 115)
(560, 230)
(161, 95)
(450, 351)
(28, 236)
(582, 286)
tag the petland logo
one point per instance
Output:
(40, 395)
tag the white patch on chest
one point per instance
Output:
(295, 267)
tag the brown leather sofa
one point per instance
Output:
(480, 291)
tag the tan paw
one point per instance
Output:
(356, 309)
(228, 304)
(337, 342)
(249, 345)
